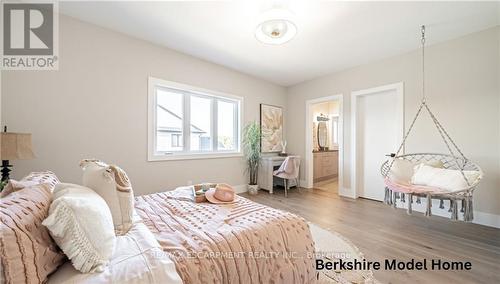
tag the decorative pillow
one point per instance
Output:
(112, 184)
(33, 178)
(42, 177)
(81, 224)
(28, 252)
(402, 170)
(451, 180)
(14, 185)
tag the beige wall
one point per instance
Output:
(463, 91)
(96, 106)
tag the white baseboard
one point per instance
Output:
(487, 219)
(347, 192)
(303, 183)
(241, 188)
(482, 218)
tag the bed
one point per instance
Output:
(171, 240)
(242, 242)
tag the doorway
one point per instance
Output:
(324, 144)
(377, 128)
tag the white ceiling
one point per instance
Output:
(332, 36)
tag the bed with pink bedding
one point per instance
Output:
(242, 242)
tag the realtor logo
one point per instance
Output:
(29, 36)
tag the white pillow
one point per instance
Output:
(450, 180)
(81, 224)
(112, 184)
(402, 170)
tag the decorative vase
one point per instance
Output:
(253, 189)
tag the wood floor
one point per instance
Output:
(381, 232)
(331, 185)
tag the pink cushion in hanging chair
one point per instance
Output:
(411, 188)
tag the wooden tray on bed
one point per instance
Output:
(199, 191)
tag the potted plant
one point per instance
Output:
(251, 149)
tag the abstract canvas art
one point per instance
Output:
(271, 127)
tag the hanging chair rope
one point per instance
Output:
(450, 161)
(442, 131)
(405, 137)
(444, 134)
(422, 40)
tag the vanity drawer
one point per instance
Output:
(328, 171)
(327, 161)
(325, 164)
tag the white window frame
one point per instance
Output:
(176, 137)
(154, 155)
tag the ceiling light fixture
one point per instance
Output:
(276, 27)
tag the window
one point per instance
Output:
(186, 122)
(176, 140)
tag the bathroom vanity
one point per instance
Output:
(325, 165)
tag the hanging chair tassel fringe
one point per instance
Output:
(462, 209)
(386, 199)
(451, 206)
(388, 196)
(454, 210)
(402, 197)
(471, 208)
(394, 203)
(441, 204)
(468, 212)
(410, 201)
(418, 200)
(428, 212)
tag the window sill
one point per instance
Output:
(177, 157)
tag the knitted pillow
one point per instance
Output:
(14, 185)
(81, 224)
(33, 178)
(47, 177)
(113, 185)
(28, 252)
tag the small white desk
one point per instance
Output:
(266, 169)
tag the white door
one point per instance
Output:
(378, 126)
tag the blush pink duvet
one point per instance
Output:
(242, 242)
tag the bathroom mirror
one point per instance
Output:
(322, 135)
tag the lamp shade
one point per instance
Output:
(16, 146)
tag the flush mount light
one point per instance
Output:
(276, 27)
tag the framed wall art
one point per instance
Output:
(271, 127)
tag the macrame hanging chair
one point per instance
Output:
(455, 160)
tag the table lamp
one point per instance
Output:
(14, 146)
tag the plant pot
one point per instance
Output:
(253, 189)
